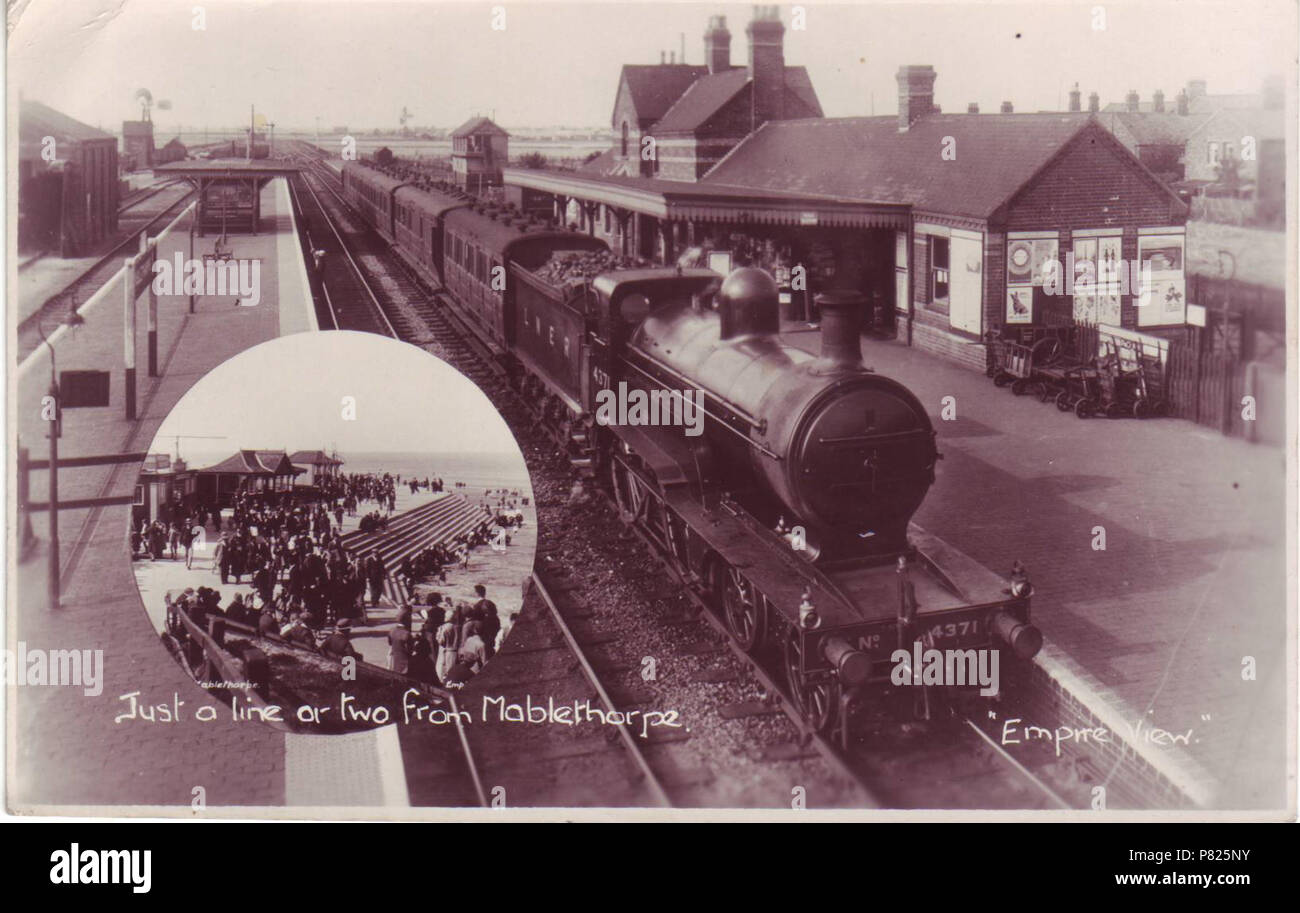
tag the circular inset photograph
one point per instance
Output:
(326, 520)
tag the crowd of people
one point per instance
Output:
(309, 591)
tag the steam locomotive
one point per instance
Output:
(792, 510)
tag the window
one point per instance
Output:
(1212, 153)
(939, 269)
(139, 496)
(623, 145)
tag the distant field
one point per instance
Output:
(1260, 254)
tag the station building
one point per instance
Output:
(945, 222)
(315, 465)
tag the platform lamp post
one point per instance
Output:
(56, 428)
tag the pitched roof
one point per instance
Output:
(655, 87)
(1261, 123)
(701, 100)
(313, 458)
(37, 121)
(706, 96)
(478, 125)
(868, 159)
(251, 462)
(1154, 129)
(605, 163)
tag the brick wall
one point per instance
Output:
(1093, 184)
(1051, 692)
(930, 333)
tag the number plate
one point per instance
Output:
(960, 631)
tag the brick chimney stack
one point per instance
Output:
(915, 93)
(1158, 101)
(1094, 102)
(1131, 101)
(1076, 99)
(973, 108)
(717, 45)
(767, 63)
(1181, 102)
(1008, 108)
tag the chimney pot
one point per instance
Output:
(973, 108)
(1131, 101)
(1182, 102)
(1158, 101)
(1008, 108)
(717, 45)
(1094, 102)
(1076, 98)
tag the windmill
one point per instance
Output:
(405, 116)
(145, 98)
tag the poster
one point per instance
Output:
(1020, 304)
(1162, 300)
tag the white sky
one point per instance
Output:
(357, 62)
(288, 393)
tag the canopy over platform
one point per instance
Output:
(229, 190)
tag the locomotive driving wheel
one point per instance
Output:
(742, 608)
(817, 702)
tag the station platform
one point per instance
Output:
(1156, 627)
(69, 750)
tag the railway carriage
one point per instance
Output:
(419, 226)
(370, 193)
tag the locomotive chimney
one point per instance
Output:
(717, 45)
(841, 326)
(748, 303)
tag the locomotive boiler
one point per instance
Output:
(820, 443)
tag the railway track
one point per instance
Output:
(952, 764)
(103, 269)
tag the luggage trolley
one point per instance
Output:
(1022, 365)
